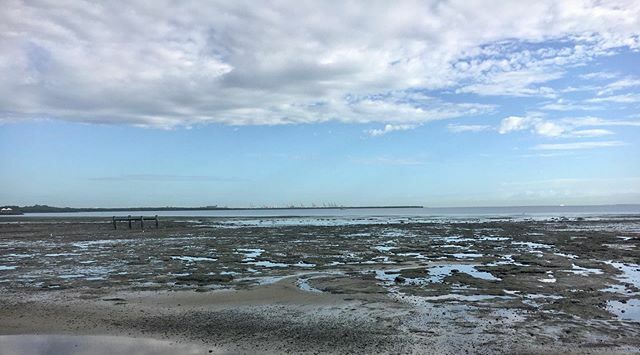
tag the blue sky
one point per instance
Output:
(436, 104)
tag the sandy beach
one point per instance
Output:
(325, 285)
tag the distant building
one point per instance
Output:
(9, 210)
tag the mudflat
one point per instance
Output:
(328, 285)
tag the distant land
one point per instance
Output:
(622, 208)
(52, 209)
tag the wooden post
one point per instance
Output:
(129, 221)
(115, 225)
(156, 221)
(142, 222)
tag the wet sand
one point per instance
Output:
(283, 285)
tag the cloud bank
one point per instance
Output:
(170, 64)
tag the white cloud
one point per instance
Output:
(549, 129)
(514, 123)
(578, 145)
(390, 128)
(459, 128)
(566, 127)
(535, 124)
(193, 62)
(583, 133)
(599, 75)
(519, 82)
(596, 121)
(626, 98)
(563, 105)
(619, 85)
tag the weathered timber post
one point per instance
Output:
(142, 222)
(156, 221)
(129, 219)
(115, 225)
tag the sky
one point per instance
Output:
(279, 103)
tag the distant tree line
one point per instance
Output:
(51, 209)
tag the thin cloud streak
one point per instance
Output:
(389, 128)
(459, 128)
(578, 145)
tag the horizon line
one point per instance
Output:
(214, 207)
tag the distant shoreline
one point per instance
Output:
(52, 209)
(43, 209)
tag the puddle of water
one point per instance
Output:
(625, 311)
(621, 246)
(61, 254)
(376, 260)
(535, 296)
(494, 239)
(383, 248)
(456, 239)
(387, 275)
(304, 285)
(303, 264)
(21, 255)
(531, 299)
(568, 256)
(358, 235)
(467, 298)
(179, 274)
(506, 260)
(533, 245)
(250, 254)
(438, 273)
(233, 273)
(412, 255)
(467, 255)
(95, 345)
(578, 270)
(97, 278)
(630, 272)
(454, 246)
(3, 267)
(192, 259)
(266, 263)
(266, 280)
(394, 232)
(550, 278)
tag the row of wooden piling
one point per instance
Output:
(130, 219)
